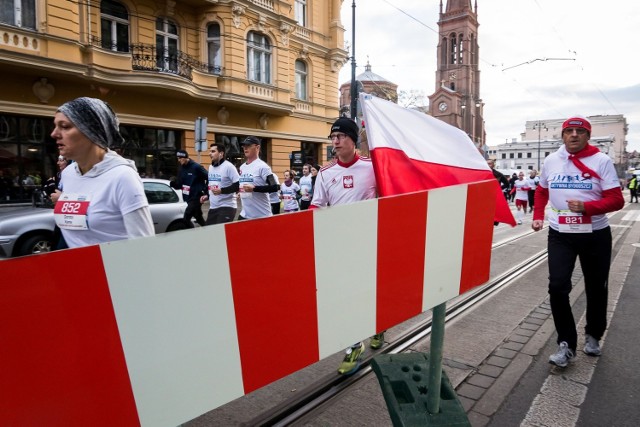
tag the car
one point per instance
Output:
(28, 230)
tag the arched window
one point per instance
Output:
(21, 13)
(443, 51)
(301, 80)
(166, 45)
(258, 58)
(460, 49)
(214, 48)
(114, 26)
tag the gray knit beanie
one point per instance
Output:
(95, 119)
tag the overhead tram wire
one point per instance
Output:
(580, 67)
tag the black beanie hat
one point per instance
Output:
(346, 126)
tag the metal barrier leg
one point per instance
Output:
(416, 390)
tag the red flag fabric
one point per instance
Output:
(412, 151)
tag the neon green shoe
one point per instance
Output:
(351, 361)
(377, 341)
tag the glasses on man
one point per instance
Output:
(579, 131)
(338, 136)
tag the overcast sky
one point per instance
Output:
(597, 41)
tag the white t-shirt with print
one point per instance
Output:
(289, 196)
(255, 205)
(339, 184)
(306, 186)
(565, 182)
(522, 190)
(222, 176)
(111, 195)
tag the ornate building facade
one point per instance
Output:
(251, 67)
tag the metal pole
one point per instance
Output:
(435, 358)
(539, 145)
(354, 86)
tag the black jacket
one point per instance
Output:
(194, 176)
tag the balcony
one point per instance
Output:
(303, 32)
(147, 57)
(267, 4)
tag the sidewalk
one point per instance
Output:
(591, 391)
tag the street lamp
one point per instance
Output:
(354, 86)
(539, 125)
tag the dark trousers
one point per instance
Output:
(530, 194)
(193, 210)
(594, 252)
(275, 208)
(304, 204)
(221, 215)
(634, 195)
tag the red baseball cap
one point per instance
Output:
(577, 122)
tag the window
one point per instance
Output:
(21, 13)
(258, 58)
(528, 155)
(511, 156)
(114, 26)
(158, 192)
(453, 44)
(504, 155)
(214, 48)
(519, 155)
(301, 80)
(166, 45)
(301, 12)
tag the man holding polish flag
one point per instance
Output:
(412, 151)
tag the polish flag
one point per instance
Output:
(412, 151)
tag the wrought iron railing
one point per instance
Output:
(148, 57)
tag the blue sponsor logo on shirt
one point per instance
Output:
(566, 182)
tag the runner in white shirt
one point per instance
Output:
(256, 181)
(102, 196)
(223, 186)
(290, 191)
(582, 185)
(306, 187)
(521, 189)
(348, 179)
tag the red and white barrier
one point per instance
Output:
(157, 331)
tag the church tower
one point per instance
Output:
(457, 97)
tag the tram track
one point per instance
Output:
(313, 397)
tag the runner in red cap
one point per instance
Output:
(581, 184)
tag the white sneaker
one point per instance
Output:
(591, 346)
(563, 356)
